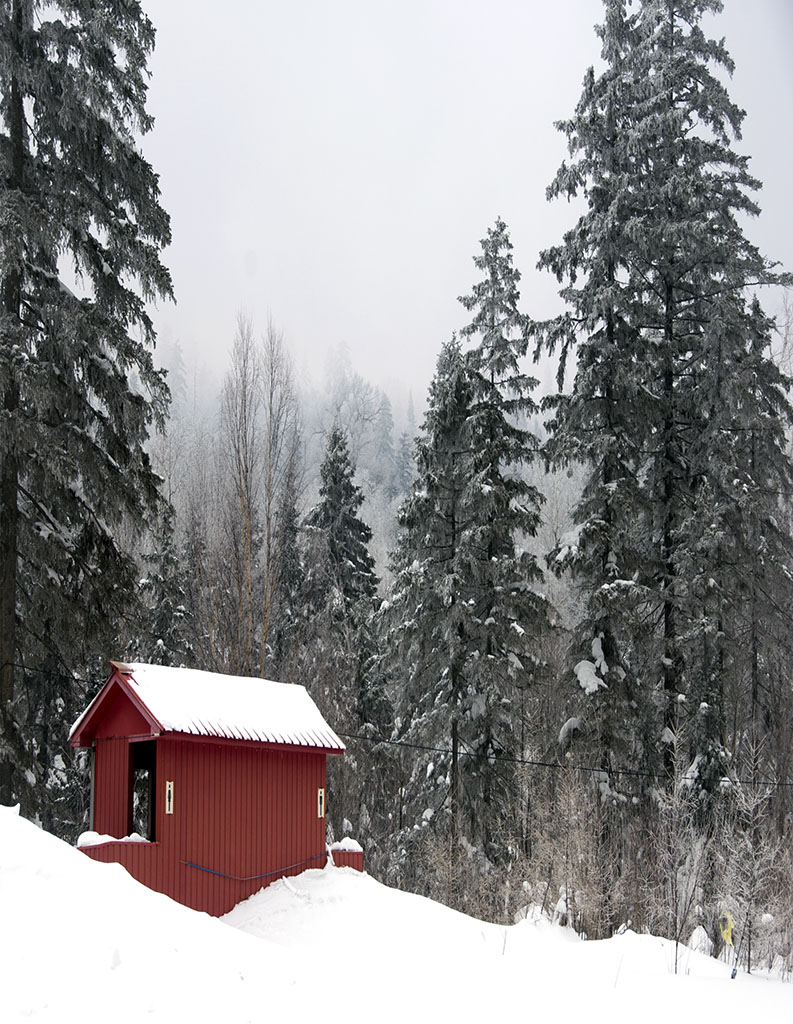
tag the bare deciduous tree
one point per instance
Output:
(238, 500)
(241, 464)
(280, 415)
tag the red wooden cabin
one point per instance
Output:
(222, 777)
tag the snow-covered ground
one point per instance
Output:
(82, 941)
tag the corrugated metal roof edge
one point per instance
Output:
(332, 747)
(206, 728)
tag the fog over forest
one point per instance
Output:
(335, 167)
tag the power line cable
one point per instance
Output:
(553, 765)
(501, 758)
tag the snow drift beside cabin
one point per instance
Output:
(86, 942)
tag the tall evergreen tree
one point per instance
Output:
(421, 624)
(465, 612)
(164, 627)
(504, 611)
(603, 421)
(334, 644)
(693, 269)
(75, 190)
(403, 473)
(685, 386)
(384, 459)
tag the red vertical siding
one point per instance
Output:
(243, 815)
(239, 811)
(111, 787)
(348, 859)
(119, 718)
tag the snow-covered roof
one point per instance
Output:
(228, 707)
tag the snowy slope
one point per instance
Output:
(81, 940)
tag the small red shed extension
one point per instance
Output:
(223, 777)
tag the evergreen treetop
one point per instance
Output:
(349, 567)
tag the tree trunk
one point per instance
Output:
(9, 468)
(455, 791)
(670, 626)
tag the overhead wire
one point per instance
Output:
(500, 758)
(552, 765)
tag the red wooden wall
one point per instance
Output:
(111, 787)
(242, 810)
(348, 859)
(112, 766)
(148, 864)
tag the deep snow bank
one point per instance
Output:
(84, 941)
(81, 940)
(428, 962)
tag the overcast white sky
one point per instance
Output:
(334, 163)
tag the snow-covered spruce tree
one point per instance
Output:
(464, 616)
(504, 614)
(603, 421)
(384, 465)
(718, 396)
(660, 265)
(735, 552)
(344, 572)
(76, 196)
(164, 623)
(420, 625)
(404, 467)
(336, 605)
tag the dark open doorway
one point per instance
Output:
(143, 788)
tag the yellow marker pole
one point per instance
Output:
(725, 926)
